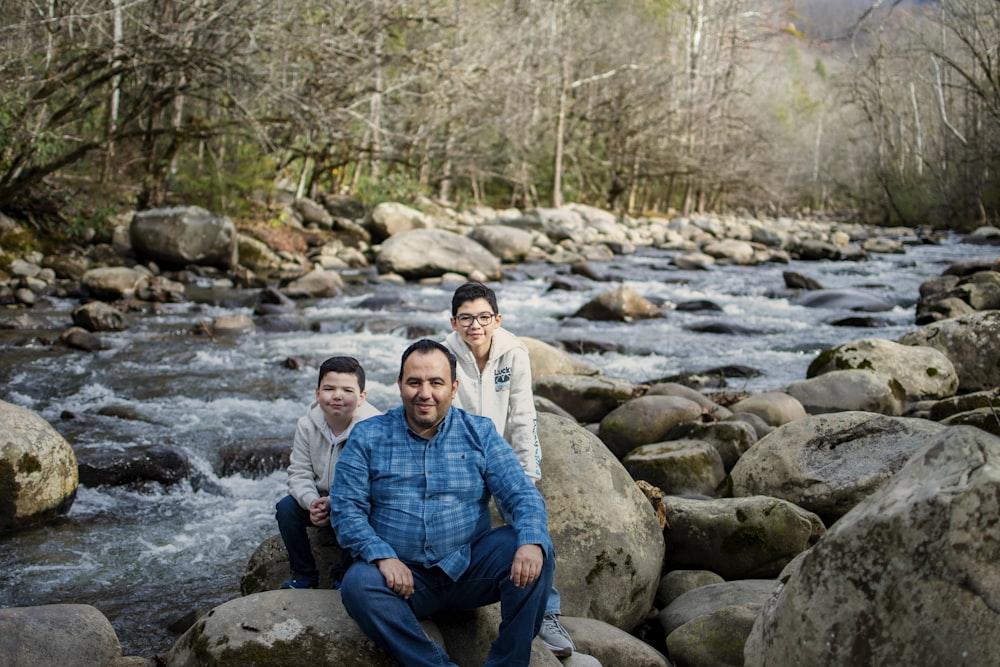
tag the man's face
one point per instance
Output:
(339, 395)
(467, 323)
(426, 389)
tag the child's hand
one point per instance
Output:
(319, 511)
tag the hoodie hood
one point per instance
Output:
(502, 343)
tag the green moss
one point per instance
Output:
(820, 363)
(28, 464)
(745, 538)
(933, 372)
(8, 495)
(897, 390)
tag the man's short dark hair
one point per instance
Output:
(471, 292)
(426, 346)
(342, 365)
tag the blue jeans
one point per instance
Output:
(292, 524)
(553, 603)
(391, 622)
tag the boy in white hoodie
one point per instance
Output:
(494, 380)
(319, 438)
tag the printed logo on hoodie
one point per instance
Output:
(501, 379)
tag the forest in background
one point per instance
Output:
(888, 112)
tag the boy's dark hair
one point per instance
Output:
(471, 292)
(426, 346)
(342, 365)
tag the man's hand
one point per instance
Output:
(319, 511)
(397, 576)
(527, 565)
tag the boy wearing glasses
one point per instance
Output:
(494, 380)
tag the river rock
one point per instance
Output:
(253, 459)
(112, 283)
(795, 280)
(586, 398)
(543, 404)
(268, 565)
(941, 308)
(815, 250)
(469, 634)
(25, 296)
(508, 243)
(342, 206)
(987, 419)
(677, 467)
(730, 438)
(132, 465)
(76, 635)
(827, 464)
(760, 427)
(910, 576)
(645, 420)
(609, 543)
(738, 537)
(883, 245)
(708, 406)
(312, 213)
(952, 406)
(968, 267)
(548, 360)
(22, 269)
(981, 290)
(693, 261)
(737, 252)
(971, 342)
(99, 316)
(287, 627)
(985, 235)
(840, 391)
(176, 237)
(715, 639)
(78, 338)
(316, 284)
(678, 582)
(424, 253)
(774, 407)
(920, 372)
(707, 599)
(843, 299)
(257, 255)
(391, 218)
(619, 304)
(38, 476)
(611, 646)
(232, 325)
(67, 267)
(160, 289)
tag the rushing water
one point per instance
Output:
(147, 556)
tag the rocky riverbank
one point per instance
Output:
(687, 520)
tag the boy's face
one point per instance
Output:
(339, 395)
(473, 332)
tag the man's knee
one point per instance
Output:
(287, 509)
(359, 582)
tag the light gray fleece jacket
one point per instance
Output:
(501, 392)
(313, 458)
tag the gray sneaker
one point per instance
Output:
(555, 637)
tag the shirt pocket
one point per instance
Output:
(463, 474)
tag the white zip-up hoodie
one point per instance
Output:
(314, 456)
(501, 392)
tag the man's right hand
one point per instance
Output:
(397, 576)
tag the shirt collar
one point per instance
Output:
(442, 427)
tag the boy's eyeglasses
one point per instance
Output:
(466, 320)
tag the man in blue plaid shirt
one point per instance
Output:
(410, 501)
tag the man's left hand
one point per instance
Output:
(527, 565)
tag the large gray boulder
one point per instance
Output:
(176, 237)
(840, 391)
(612, 646)
(678, 467)
(645, 420)
(587, 398)
(608, 541)
(38, 473)
(716, 639)
(911, 576)
(737, 537)
(707, 599)
(391, 218)
(619, 304)
(112, 283)
(678, 582)
(829, 463)
(288, 627)
(510, 244)
(423, 253)
(970, 342)
(548, 360)
(920, 371)
(57, 634)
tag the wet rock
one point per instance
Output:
(795, 280)
(423, 253)
(697, 305)
(609, 543)
(586, 270)
(677, 467)
(126, 412)
(586, 398)
(280, 323)
(38, 476)
(620, 304)
(611, 646)
(715, 639)
(815, 250)
(840, 391)
(910, 576)
(232, 325)
(943, 409)
(861, 322)
(645, 420)
(581, 346)
(112, 283)
(566, 284)
(57, 634)
(708, 599)
(722, 327)
(132, 466)
(549, 360)
(694, 261)
(738, 538)
(966, 341)
(316, 284)
(391, 218)
(774, 407)
(99, 316)
(844, 300)
(254, 459)
(78, 338)
(176, 237)
(730, 438)
(920, 372)
(678, 582)
(508, 243)
(827, 464)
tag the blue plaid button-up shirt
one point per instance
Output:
(397, 495)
